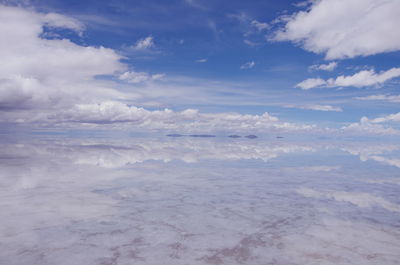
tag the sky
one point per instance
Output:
(319, 66)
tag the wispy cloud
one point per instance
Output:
(195, 4)
(139, 77)
(391, 117)
(145, 43)
(204, 60)
(311, 83)
(361, 79)
(324, 67)
(251, 43)
(260, 26)
(381, 97)
(252, 29)
(248, 65)
(315, 107)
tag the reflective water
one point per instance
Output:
(198, 201)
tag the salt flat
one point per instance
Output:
(198, 201)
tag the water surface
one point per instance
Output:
(198, 201)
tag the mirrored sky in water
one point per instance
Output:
(191, 201)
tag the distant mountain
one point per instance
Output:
(202, 135)
(191, 135)
(175, 135)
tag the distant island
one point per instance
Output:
(202, 135)
(191, 135)
(251, 136)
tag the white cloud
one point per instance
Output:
(324, 67)
(304, 3)
(389, 118)
(369, 128)
(260, 26)
(111, 112)
(311, 83)
(195, 4)
(382, 97)
(315, 107)
(251, 43)
(116, 112)
(344, 28)
(250, 27)
(375, 126)
(139, 77)
(361, 79)
(52, 82)
(320, 168)
(365, 78)
(201, 60)
(145, 43)
(60, 21)
(41, 74)
(388, 161)
(248, 65)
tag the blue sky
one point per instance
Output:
(313, 64)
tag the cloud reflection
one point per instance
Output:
(194, 201)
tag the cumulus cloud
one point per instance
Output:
(53, 82)
(324, 67)
(361, 79)
(117, 112)
(248, 65)
(38, 75)
(369, 128)
(375, 126)
(189, 120)
(381, 97)
(315, 107)
(23, 52)
(344, 28)
(145, 43)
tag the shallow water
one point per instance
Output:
(198, 201)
